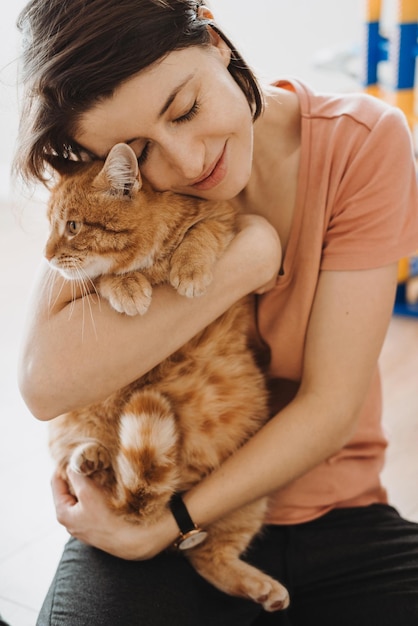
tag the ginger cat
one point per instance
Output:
(163, 433)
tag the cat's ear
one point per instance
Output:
(120, 174)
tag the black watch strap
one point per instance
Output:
(190, 534)
(181, 514)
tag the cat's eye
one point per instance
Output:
(73, 227)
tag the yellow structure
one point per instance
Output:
(401, 52)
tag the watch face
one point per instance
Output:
(192, 539)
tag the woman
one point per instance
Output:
(327, 191)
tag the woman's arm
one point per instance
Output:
(75, 353)
(346, 331)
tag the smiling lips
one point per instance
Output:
(215, 176)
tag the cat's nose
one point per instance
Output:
(49, 253)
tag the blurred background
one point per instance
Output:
(319, 41)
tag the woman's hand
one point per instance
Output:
(86, 516)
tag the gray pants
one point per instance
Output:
(352, 567)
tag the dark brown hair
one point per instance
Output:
(77, 52)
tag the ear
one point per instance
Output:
(120, 174)
(203, 13)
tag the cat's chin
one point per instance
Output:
(70, 271)
(75, 275)
(90, 271)
(69, 274)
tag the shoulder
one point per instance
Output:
(362, 108)
(348, 112)
(358, 163)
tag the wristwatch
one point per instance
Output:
(190, 534)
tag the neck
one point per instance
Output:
(271, 190)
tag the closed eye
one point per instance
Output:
(191, 113)
(144, 154)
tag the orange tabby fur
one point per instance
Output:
(166, 431)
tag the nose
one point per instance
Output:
(186, 158)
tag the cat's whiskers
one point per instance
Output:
(93, 289)
(51, 280)
(73, 284)
(81, 283)
(84, 282)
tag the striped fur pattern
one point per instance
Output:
(166, 431)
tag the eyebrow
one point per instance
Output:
(168, 102)
(173, 95)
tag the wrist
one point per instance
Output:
(144, 542)
(190, 534)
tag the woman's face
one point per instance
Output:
(187, 120)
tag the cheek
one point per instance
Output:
(231, 113)
(224, 117)
(240, 157)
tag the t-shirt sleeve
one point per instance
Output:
(374, 217)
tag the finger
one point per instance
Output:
(60, 491)
(84, 487)
(64, 501)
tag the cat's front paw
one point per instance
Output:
(89, 457)
(127, 293)
(190, 281)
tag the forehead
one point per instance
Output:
(137, 103)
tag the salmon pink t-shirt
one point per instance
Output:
(356, 208)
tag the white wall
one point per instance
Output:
(284, 36)
(278, 37)
(9, 47)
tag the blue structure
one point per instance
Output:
(401, 52)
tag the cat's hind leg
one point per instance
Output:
(237, 578)
(218, 561)
(89, 457)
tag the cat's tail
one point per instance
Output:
(146, 466)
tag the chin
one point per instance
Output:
(231, 189)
